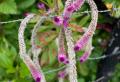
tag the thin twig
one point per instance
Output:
(90, 58)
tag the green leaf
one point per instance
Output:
(84, 20)
(81, 80)
(5, 61)
(26, 3)
(52, 52)
(24, 72)
(83, 69)
(8, 7)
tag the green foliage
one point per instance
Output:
(24, 4)
(8, 7)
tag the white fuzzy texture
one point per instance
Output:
(36, 51)
(72, 73)
(25, 57)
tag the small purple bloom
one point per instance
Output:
(85, 56)
(26, 14)
(76, 48)
(82, 42)
(38, 79)
(61, 58)
(58, 20)
(36, 74)
(70, 8)
(41, 5)
(61, 74)
(66, 61)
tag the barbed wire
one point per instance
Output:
(12, 21)
(90, 58)
(84, 12)
(102, 11)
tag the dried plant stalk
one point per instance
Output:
(72, 73)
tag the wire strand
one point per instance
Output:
(95, 58)
(84, 12)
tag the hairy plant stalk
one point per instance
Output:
(61, 48)
(36, 51)
(88, 50)
(68, 2)
(61, 41)
(92, 27)
(62, 74)
(25, 57)
(60, 79)
(68, 10)
(72, 73)
(71, 6)
(21, 30)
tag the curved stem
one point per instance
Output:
(92, 27)
(26, 58)
(36, 51)
(72, 73)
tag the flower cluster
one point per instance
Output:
(65, 33)
(41, 5)
(70, 9)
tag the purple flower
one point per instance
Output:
(41, 5)
(58, 20)
(26, 14)
(61, 57)
(38, 79)
(85, 56)
(70, 9)
(65, 21)
(82, 42)
(66, 61)
(76, 48)
(36, 74)
(61, 74)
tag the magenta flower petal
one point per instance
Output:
(76, 48)
(61, 74)
(58, 20)
(41, 5)
(61, 57)
(85, 56)
(70, 9)
(38, 79)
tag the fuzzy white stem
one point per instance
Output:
(36, 51)
(25, 57)
(72, 73)
(60, 79)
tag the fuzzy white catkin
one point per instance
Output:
(24, 56)
(72, 73)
